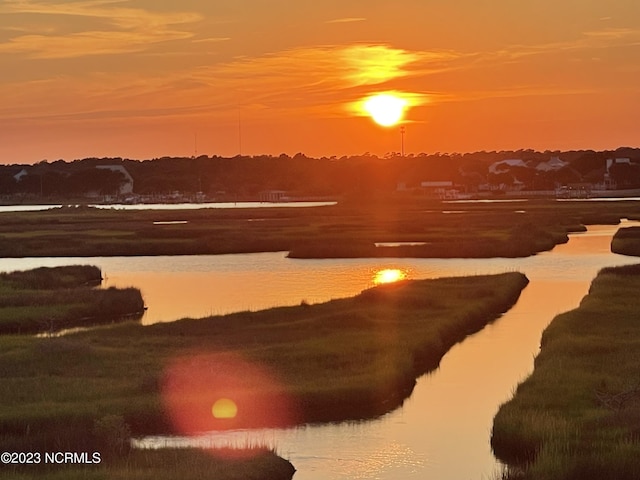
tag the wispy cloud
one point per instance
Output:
(340, 66)
(517, 70)
(125, 29)
(302, 81)
(316, 80)
(211, 40)
(614, 33)
(324, 80)
(346, 20)
(517, 91)
(593, 39)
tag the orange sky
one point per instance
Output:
(145, 78)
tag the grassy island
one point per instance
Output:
(49, 299)
(626, 241)
(399, 228)
(352, 358)
(577, 417)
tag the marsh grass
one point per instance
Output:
(52, 278)
(626, 241)
(562, 422)
(344, 230)
(479, 240)
(49, 299)
(341, 360)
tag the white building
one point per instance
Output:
(552, 165)
(617, 161)
(504, 165)
(18, 176)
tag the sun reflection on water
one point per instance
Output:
(389, 275)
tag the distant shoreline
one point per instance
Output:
(167, 203)
(377, 228)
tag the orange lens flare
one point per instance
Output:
(214, 392)
(224, 408)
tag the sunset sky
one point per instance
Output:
(151, 78)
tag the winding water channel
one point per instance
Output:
(442, 431)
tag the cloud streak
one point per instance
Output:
(125, 29)
(320, 81)
(302, 81)
(346, 20)
(594, 39)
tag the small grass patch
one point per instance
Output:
(69, 276)
(49, 299)
(626, 241)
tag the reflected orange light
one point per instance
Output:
(389, 275)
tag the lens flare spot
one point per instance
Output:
(224, 408)
(389, 275)
(208, 391)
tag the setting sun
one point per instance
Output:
(385, 109)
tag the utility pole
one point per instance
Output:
(195, 145)
(402, 140)
(239, 132)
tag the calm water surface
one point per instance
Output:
(172, 206)
(442, 431)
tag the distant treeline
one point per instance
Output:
(243, 177)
